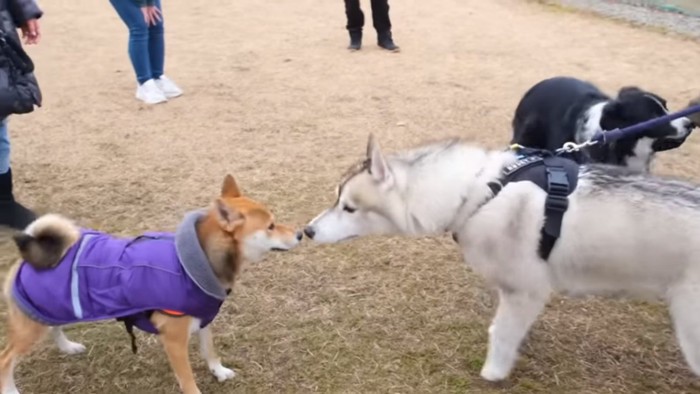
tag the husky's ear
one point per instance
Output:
(229, 218)
(230, 188)
(377, 164)
(371, 142)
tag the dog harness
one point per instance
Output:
(103, 277)
(556, 175)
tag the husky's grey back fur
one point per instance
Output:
(608, 178)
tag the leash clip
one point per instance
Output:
(569, 147)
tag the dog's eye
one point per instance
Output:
(271, 227)
(349, 209)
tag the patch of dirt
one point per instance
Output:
(273, 97)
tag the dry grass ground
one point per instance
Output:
(273, 97)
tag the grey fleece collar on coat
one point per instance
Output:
(193, 258)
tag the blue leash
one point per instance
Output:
(604, 137)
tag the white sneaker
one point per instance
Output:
(149, 93)
(168, 87)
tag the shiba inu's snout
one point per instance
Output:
(274, 238)
(290, 239)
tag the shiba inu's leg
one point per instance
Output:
(64, 344)
(515, 314)
(206, 348)
(22, 334)
(685, 312)
(175, 336)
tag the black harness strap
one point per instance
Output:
(556, 175)
(556, 204)
(129, 324)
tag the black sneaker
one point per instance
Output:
(355, 40)
(12, 213)
(385, 41)
(15, 215)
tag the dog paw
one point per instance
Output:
(12, 390)
(70, 347)
(493, 374)
(222, 373)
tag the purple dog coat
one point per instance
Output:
(104, 277)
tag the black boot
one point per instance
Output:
(12, 213)
(355, 40)
(385, 41)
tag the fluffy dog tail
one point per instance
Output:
(46, 240)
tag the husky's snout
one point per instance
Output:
(309, 232)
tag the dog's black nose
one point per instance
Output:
(309, 231)
(300, 235)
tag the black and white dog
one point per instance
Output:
(565, 109)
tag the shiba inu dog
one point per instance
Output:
(624, 233)
(169, 284)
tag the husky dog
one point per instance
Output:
(624, 233)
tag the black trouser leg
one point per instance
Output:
(382, 23)
(380, 15)
(356, 19)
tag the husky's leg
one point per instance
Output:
(516, 312)
(685, 312)
(64, 344)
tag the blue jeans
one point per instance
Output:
(146, 43)
(4, 147)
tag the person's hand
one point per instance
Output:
(31, 32)
(151, 14)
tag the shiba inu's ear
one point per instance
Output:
(230, 188)
(377, 167)
(229, 218)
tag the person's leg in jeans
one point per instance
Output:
(156, 50)
(156, 46)
(4, 147)
(133, 18)
(356, 20)
(12, 213)
(382, 23)
(131, 15)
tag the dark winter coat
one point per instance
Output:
(19, 90)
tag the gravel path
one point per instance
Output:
(675, 22)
